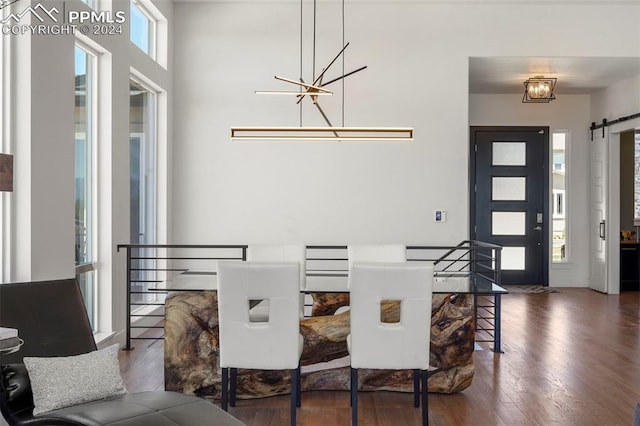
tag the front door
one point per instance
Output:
(510, 198)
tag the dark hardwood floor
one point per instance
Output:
(571, 358)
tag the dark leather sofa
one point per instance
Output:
(52, 321)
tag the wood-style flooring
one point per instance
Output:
(570, 358)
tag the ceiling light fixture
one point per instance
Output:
(313, 90)
(539, 89)
(357, 134)
(289, 92)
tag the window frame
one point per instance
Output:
(6, 147)
(152, 138)
(566, 206)
(90, 267)
(160, 35)
(153, 27)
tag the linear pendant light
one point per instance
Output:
(289, 92)
(357, 134)
(313, 90)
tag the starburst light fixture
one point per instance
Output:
(313, 90)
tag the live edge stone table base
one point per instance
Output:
(191, 349)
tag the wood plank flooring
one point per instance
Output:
(571, 358)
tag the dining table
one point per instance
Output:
(191, 344)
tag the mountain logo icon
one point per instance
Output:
(38, 11)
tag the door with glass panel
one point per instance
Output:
(510, 198)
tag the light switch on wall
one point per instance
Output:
(441, 216)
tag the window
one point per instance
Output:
(5, 148)
(559, 191)
(143, 187)
(93, 4)
(85, 102)
(142, 28)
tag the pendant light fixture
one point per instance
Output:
(318, 87)
(539, 89)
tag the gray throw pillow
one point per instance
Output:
(60, 382)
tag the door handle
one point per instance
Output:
(538, 228)
(602, 230)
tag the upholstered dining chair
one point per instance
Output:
(278, 253)
(403, 345)
(372, 253)
(274, 344)
(376, 253)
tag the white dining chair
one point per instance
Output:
(272, 345)
(375, 253)
(278, 253)
(403, 345)
(372, 253)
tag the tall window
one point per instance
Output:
(559, 191)
(142, 28)
(143, 185)
(85, 78)
(91, 3)
(5, 148)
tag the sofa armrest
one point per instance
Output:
(16, 399)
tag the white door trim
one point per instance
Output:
(613, 231)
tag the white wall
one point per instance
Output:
(43, 135)
(42, 111)
(417, 54)
(620, 100)
(567, 112)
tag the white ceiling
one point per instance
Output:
(575, 75)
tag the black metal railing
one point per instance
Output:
(480, 261)
(148, 266)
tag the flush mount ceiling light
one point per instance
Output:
(539, 89)
(313, 90)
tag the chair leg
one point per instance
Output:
(416, 388)
(234, 387)
(294, 395)
(425, 397)
(299, 395)
(354, 396)
(225, 385)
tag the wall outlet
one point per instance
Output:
(441, 216)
